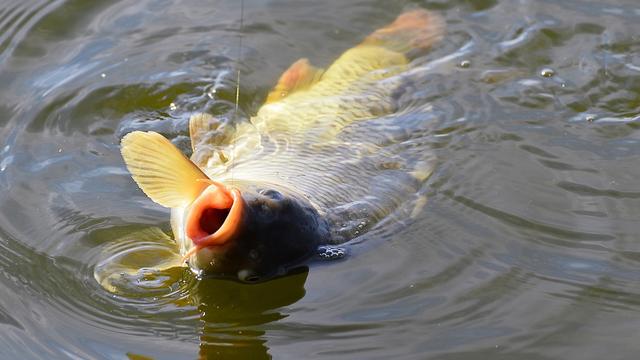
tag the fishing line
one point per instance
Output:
(235, 114)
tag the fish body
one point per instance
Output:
(258, 197)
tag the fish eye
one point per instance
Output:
(273, 194)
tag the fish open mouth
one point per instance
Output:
(214, 217)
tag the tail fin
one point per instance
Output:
(413, 30)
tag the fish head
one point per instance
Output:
(250, 233)
(246, 230)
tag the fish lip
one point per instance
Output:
(219, 197)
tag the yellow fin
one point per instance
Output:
(146, 259)
(299, 76)
(161, 170)
(201, 124)
(413, 30)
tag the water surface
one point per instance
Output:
(527, 248)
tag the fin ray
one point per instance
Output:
(413, 30)
(135, 257)
(299, 76)
(162, 171)
(199, 125)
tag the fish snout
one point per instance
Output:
(215, 216)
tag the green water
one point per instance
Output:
(527, 248)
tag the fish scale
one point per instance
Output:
(310, 168)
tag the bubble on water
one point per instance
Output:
(547, 72)
(331, 253)
(590, 118)
(5, 162)
(211, 93)
(465, 64)
(103, 75)
(173, 107)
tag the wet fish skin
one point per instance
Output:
(255, 198)
(278, 231)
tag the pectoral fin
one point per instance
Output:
(199, 125)
(299, 76)
(161, 170)
(146, 259)
(205, 128)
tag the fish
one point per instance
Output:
(258, 197)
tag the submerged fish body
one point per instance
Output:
(258, 197)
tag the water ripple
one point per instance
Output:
(521, 243)
(16, 21)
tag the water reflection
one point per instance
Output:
(527, 247)
(231, 314)
(144, 265)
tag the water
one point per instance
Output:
(527, 246)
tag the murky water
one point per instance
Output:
(528, 246)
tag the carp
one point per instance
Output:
(260, 196)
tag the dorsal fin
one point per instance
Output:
(299, 76)
(161, 170)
